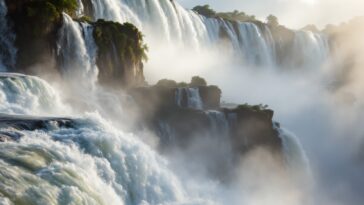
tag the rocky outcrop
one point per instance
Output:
(253, 127)
(15, 123)
(205, 131)
(35, 24)
(175, 122)
(121, 52)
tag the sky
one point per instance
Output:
(292, 13)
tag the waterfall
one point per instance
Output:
(77, 51)
(219, 124)
(294, 153)
(309, 49)
(90, 163)
(87, 162)
(168, 22)
(166, 132)
(7, 38)
(194, 99)
(256, 45)
(189, 95)
(20, 94)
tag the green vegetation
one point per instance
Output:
(272, 21)
(86, 19)
(205, 10)
(198, 81)
(125, 38)
(257, 108)
(182, 84)
(166, 83)
(236, 15)
(41, 16)
(121, 50)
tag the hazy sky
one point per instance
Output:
(293, 13)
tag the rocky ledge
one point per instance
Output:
(11, 125)
(180, 112)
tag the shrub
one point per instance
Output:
(198, 81)
(166, 83)
(205, 10)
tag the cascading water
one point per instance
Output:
(77, 51)
(20, 94)
(253, 44)
(91, 163)
(256, 46)
(219, 124)
(7, 38)
(309, 49)
(294, 153)
(166, 132)
(87, 162)
(189, 95)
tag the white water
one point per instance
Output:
(295, 155)
(166, 22)
(7, 38)
(93, 163)
(90, 162)
(77, 51)
(219, 124)
(193, 100)
(309, 50)
(20, 94)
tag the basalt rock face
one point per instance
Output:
(190, 120)
(120, 53)
(15, 123)
(156, 100)
(37, 24)
(253, 128)
(179, 122)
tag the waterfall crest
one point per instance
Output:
(252, 43)
(20, 94)
(294, 153)
(189, 97)
(77, 51)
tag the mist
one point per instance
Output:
(113, 153)
(322, 105)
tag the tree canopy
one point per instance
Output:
(272, 21)
(206, 10)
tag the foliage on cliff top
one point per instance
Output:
(126, 38)
(196, 81)
(235, 15)
(257, 108)
(41, 15)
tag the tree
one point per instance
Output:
(205, 10)
(198, 81)
(272, 21)
(166, 83)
